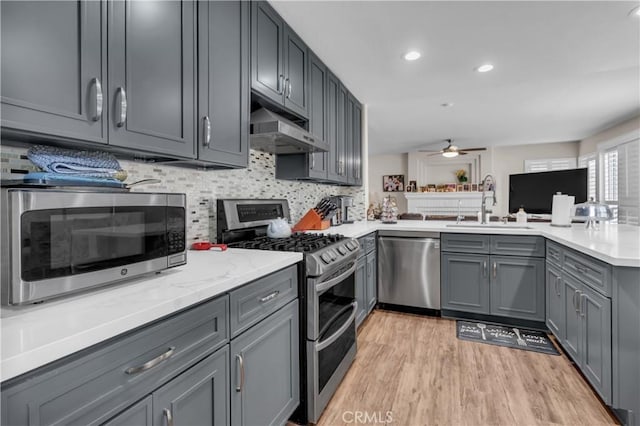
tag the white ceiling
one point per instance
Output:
(564, 70)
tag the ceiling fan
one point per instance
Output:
(453, 151)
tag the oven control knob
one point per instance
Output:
(342, 250)
(351, 246)
(326, 258)
(333, 255)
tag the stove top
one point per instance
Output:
(300, 242)
(243, 223)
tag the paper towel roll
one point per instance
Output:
(561, 210)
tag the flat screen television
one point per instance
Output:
(535, 191)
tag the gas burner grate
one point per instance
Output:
(298, 242)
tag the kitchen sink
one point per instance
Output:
(488, 226)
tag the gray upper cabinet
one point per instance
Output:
(267, 53)
(334, 166)
(517, 287)
(279, 60)
(265, 372)
(356, 143)
(223, 81)
(152, 76)
(296, 60)
(318, 110)
(54, 69)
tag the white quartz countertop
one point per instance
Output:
(618, 245)
(35, 335)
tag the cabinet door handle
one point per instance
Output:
(152, 363)
(576, 300)
(558, 286)
(206, 121)
(280, 87)
(484, 269)
(241, 365)
(96, 88)
(168, 416)
(583, 304)
(313, 160)
(495, 269)
(289, 88)
(121, 95)
(270, 296)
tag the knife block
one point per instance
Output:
(311, 221)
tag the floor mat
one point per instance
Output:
(492, 334)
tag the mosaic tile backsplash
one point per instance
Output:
(204, 187)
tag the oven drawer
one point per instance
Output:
(255, 301)
(92, 386)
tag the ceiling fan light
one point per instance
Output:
(450, 154)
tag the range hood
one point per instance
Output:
(271, 132)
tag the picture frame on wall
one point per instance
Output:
(474, 187)
(466, 187)
(393, 183)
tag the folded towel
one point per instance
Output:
(78, 163)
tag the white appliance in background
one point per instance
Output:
(561, 210)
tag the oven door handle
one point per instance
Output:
(328, 284)
(335, 336)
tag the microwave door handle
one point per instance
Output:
(328, 284)
(335, 336)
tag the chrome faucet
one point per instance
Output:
(459, 218)
(485, 188)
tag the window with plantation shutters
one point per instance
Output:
(545, 165)
(590, 162)
(610, 180)
(628, 189)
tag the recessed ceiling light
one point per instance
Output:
(635, 11)
(412, 55)
(446, 104)
(484, 68)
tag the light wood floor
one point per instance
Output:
(415, 368)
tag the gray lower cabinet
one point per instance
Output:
(465, 282)
(199, 396)
(361, 289)
(265, 370)
(478, 276)
(588, 334)
(223, 83)
(554, 301)
(96, 385)
(517, 287)
(579, 313)
(372, 281)
(151, 69)
(54, 69)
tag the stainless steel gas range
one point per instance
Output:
(326, 289)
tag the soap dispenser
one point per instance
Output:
(521, 216)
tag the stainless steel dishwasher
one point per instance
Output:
(409, 269)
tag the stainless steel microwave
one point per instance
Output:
(56, 242)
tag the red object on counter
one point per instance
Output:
(205, 245)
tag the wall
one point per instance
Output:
(590, 145)
(380, 165)
(204, 187)
(506, 160)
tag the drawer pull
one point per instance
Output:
(152, 363)
(582, 270)
(169, 416)
(270, 296)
